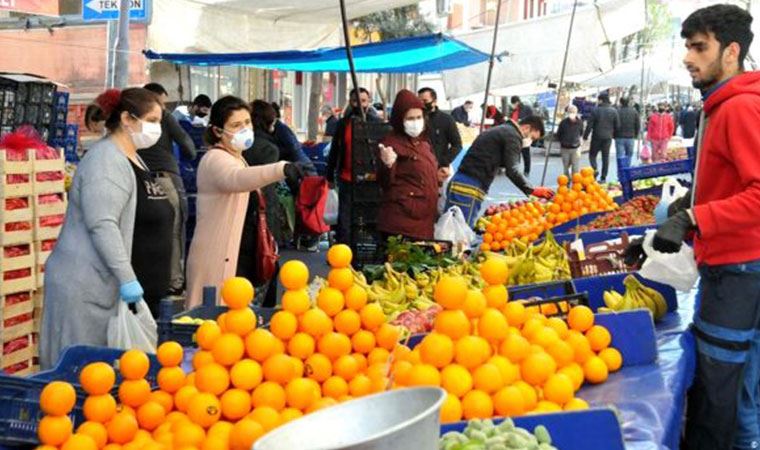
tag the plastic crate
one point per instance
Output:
(595, 287)
(601, 258)
(367, 192)
(365, 138)
(61, 100)
(72, 131)
(365, 244)
(628, 175)
(592, 237)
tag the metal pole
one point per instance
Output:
(643, 109)
(111, 32)
(559, 89)
(350, 56)
(121, 61)
(491, 61)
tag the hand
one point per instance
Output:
(542, 192)
(294, 172)
(131, 292)
(671, 234)
(634, 255)
(680, 204)
(387, 156)
(443, 173)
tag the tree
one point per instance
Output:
(658, 29)
(396, 23)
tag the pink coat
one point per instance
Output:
(224, 184)
(660, 127)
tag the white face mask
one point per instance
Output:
(572, 116)
(242, 140)
(415, 127)
(149, 135)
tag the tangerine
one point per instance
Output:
(334, 345)
(268, 417)
(492, 325)
(452, 323)
(170, 379)
(301, 393)
(182, 397)
(269, 394)
(240, 321)
(301, 346)
(360, 386)
(475, 304)
(96, 431)
(387, 336)
(318, 367)
(355, 298)
(437, 350)
(228, 349)
(235, 404)
(80, 441)
(246, 374)
(316, 323)
(487, 378)
(297, 302)
(237, 292)
(279, 368)
(283, 325)
(477, 405)
(335, 387)
(134, 393)
(451, 409)
(150, 415)
(471, 351)
(450, 292)
(595, 370)
(424, 375)
(537, 368)
(494, 271)
(372, 316)
(496, 296)
(363, 341)
(294, 275)
(134, 364)
(58, 398)
(612, 359)
(97, 378)
(54, 430)
(559, 389)
(515, 313)
(509, 402)
(339, 256)
(346, 367)
(340, 279)
(260, 344)
(208, 332)
(245, 433)
(599, 338)
(169, 354)
(122, 428)
(456, 380)
(580, 318)
(212, 378)
(99, 408)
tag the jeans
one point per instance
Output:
(603, 146)
(175, 192)
(343, 235)
(624, 147)
(722, 407)
(526, 160)
(571, 160)
(466, 193)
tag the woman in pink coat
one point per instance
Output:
(224, 184)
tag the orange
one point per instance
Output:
(377, 370)
(562, 180)
(378, 355)
(387, 336)
(515, 313)
(204, 409)
(80, 442)
(494, 271)
(360, 386)
(598, 338)
(372, 316)
(150, 415)
(208, 332)
(122, 428)
(347, 322)
(450, 292)
(558, 325)
(451, 410)
(330, 299)
(315, 322)
(301, 393)
(612, 359)
(228, 349)
(453, 324)
(562, 352)
(182, 397)
(545, 337)
(289, 414)
(279, 368)
(301, 346)
(235, 404)
(424, 375)
(492, 325)
(170, 379)
(509, 372)
(529, 395)
(515, 348)
(580, 318)
(559, 389)
(321, 404)
(361, 361)
(246, 374)
(297, 302)
(475, 304)
(202, 358)
(576, 404)
(99, 408)
(400, 372)
(339, 256)
(221, 429)
(496, 296)
(509, 402)
(471, 351)
(477, 405)
(587, 172)
(318, 367)
(346, 367)
(134, 393)
(545, 407)
(355, 297)
(537, 368)
(188, 434)
(58, 398)
(575, 372)
(294, 275)
(340, 279)
(581, 346)
(240, 321)
(54, 430)
(260, 344)
(437, 350)
(165, 399)
(134, 364)
(245, 433)
(334, 345)
(96, 431)
(595, 370)
(97, 378)
(335, 387)
(212, 378)
(283, 325)
(268, 417)
(487, 378)
(169, 354)
(268, 394)
(237, 292)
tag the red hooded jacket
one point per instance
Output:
(727, 199)
(660, 127)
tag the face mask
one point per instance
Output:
(242, 140)
(414, 128)
(149, 135)
(572, 116)
(527, 142)
(429, 107)
(200, 114)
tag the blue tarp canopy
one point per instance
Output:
(431, 53)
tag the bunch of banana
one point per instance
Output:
(545, 262)
(636, 296)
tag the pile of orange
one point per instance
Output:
(581, 197)
(525, 222)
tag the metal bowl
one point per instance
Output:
(393, 420)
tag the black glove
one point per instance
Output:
(294, 172)
(634, 255)
(680, 204)
(671, 234)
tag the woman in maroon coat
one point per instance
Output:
(408, 173)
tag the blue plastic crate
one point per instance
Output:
(61, 99)
(72, 131)
(596, 236)
(58, 131)
(595, 287)
(628, 175)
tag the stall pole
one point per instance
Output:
(121, 61)
(490, 62)
(350, 55)
(559, 90)
(643, 108)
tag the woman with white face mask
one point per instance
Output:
(113, 244)
(407, 173)
(225, 183)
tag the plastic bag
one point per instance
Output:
(671, 191)
(674, 269)
(646, 152)
(442, 192)
(128, 330)
(452, 227)
(332, 208)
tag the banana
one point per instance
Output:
(612, 301)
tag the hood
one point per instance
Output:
(746, 83)
(405, 100)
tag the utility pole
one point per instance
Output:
(111, 32)
(121, 60)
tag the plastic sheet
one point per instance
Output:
(52, 221)
(16, 179)
(17, 274)
(47, 153)
(48, 199)
(48, 245)
(15, 251)
(50, 176)
(18, 226)
(12, 204)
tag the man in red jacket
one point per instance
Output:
(659, 131)
(724, 215)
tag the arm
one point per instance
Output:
(336, 151)
(178, 135)
(511, 162)
(561, 130)
(590, 125)
(455, 143)
(637, 125)
(228, 175)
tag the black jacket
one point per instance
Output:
(444, 137)
(688, 123)
(160, 157)
(460, 115)
(604, 121)
(628, 123)
(265, 151)
(496, 147)
(338, 145)
(569, 132)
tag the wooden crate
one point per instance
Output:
(22, 369)
(37, 318)
(44, 233)
(18, 214)
(14, 167)
(49, 209)
(18, 350)
(49, 165)
(16, 304)
(39, 298)
(8, 189)
(40, 277)
(23, 284)
(49, 187)
(16, 237)
(42, 250)
(17, 262)
(17, 326)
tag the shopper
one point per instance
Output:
(115, 244)
(498, 147)
(569, 135)
(442, 132)
(722, 403)
(339, 161)
(461, 114)
(408, 173)
(95, 123)
(603, 122)
(197, 113)
(688, 122)
(225, 182)
(519, 112)
(659, 131)
(331, 122)
(626, 132)
(165, 170)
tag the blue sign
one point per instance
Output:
(100, 10)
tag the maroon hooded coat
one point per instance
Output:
(410, 186)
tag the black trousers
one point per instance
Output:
(526, 160)
(600, 146)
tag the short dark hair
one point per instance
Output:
(535, 122)
(468, 102)
(221, 112)
(624, 101)
(157, 88)
(514, 99)
(604, 97)
(276, 107)
(430, 91)
(93, 114)
(263, 115)
(729, 23)
(202, 101)
(136, 101)
(361, 91)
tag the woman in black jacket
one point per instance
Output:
(569, 136)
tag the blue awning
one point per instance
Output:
(423, 54)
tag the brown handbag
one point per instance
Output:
(266, 246)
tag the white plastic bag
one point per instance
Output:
(671, 191)
(674, 269)
(128, 330)
(452, 227)
(442, 192)
(331, 208)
